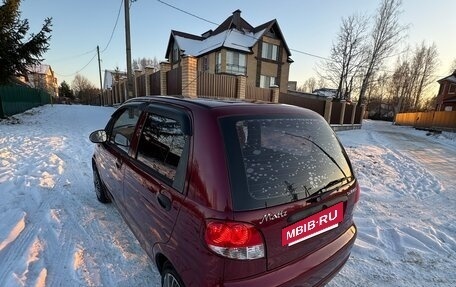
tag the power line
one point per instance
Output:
(93, 50)
(186, 12)
(85, 66)
(74, 57)
(114, 28)
(209, 21)
(309, 54)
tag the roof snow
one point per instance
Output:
(232, 38)
(39, 69)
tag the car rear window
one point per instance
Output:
(280, 159)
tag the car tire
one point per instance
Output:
(99, 187)
(169, 277)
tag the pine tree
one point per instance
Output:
(18, 50)
(65, 91)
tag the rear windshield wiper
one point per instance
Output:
(320, 148)
(329, 186)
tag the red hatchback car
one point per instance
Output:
(229, 193)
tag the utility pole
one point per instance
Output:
(99, 71)
(130, 84)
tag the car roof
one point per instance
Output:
(201, 101)
(223, 107)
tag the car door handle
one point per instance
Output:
(164, 201)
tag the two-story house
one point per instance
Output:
(446, 98)
(236, 47)
(42, 77)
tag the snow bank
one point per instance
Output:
(406, 216)
(53, 232)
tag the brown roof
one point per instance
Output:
(230, 23)
(450, 78)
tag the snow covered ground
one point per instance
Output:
(53, 232)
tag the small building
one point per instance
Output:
(326, 92)
(237, 48)
(446, 98)
(42, 77)
(292, 85)
(111, 77)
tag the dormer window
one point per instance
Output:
(270, 51)
(452, 89)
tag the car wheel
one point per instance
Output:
(170, 278)
(99, 188)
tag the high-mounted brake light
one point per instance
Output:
(234, 240)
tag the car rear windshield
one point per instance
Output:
(280, 159)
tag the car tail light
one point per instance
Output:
(234, 240)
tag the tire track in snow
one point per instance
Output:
(26, 241)
(399, 227)
(14, 233)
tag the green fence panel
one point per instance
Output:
(18, 99)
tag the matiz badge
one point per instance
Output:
(313, 225)
(271, 217)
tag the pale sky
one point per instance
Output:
(308, 25)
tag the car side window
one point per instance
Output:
(124, 127)
(161, 145)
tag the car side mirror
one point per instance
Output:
(98, 136)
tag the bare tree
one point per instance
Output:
(399, 85)
(84, 90)
(426, 64)
(321, 83)
(141, 63)
(309, 85)
(412, 75)
(376, 95)
(346, 55)
(452, 67)
(386, 34)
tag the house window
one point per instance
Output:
(235, 63)
(175, 52)
(204, 64)
(218, 62)
(267, 82)
(270, 51)
(452, 89)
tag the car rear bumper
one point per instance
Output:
(314, 270)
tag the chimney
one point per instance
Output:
(237, 19)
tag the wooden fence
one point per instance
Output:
(141, 85)
(216, 85)
(174, 81)
(312, 104)
(154, 83)
(440, 120)
(341, 115)
(255, 93)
